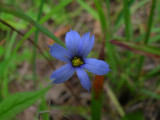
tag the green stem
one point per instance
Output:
(22, 15)
(108, 17)
(115, 101)
(36, 41)
(11, 41)
(147, 35)
(96, 106)
(105, 28)
(150, 22)
(127, 20)
(128, 30)
(33, 29)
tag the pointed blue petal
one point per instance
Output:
(60, 52)
(96, 66)
(83, 43)
(86, 45)
(84, 79)
(62, 74)
(72, 42)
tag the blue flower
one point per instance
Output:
(75, 56)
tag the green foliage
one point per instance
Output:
(148, 32)
(43, 107)
(150, 94)
(36, 41)
(142, 49)
(55, 9)
(121, 26)
(1, 50)
(8, 53)
(17, 12)
(115, 102)
(134, 116)
(15, 103)
(127, 20)
(96, 107)
(88, 8)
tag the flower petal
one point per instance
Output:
(72, 42)
(96, 66)
(83, 43)
(59, 52)
(84, 79)
(62, 74)
(86, 44)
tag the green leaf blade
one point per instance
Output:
(14, 11)
(16, 103)
(142, 49)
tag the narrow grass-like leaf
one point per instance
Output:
(107, 37)
(8, 50)
(45, 18)
(120, 16)
(17, 12)
(1, 50)
(156, 38)
(96, 107)
(109, 17)
(154, 72)
(97, 95)
(150, 94)
(17, 102)
(29, 33)
(128, 30)
(119, 19)
(150, 22)
(141, 49)
(36, 41)
(134, 116)
(115, 101)
(147, 36)
(43, 107)
(127, 20)
(88, 8)
(2, 75)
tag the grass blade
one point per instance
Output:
(16, 103)
(45, 18)
(43, 107)
(127, 20)
(97, 95)
(8, 50)
(89, 9)
(141, 49)
(29, 33)
(147, 36)
(14, 11)
(150, 94)
(105, 28)
(36, 41)
(120, 17)
(115, 101)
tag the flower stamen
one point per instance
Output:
(76, 62)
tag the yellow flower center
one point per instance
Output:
(77, 62)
